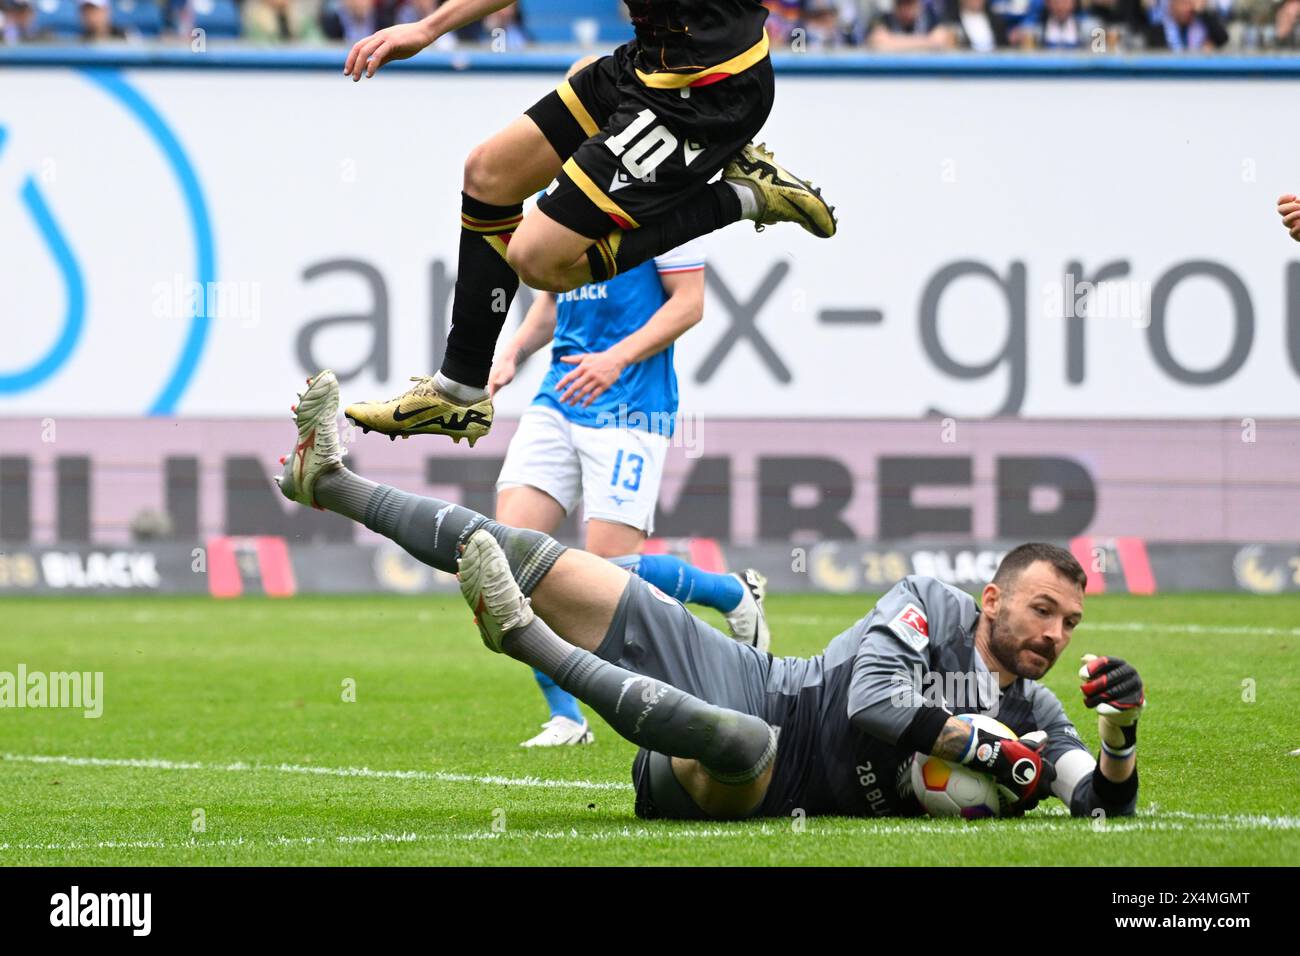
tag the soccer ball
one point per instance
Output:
(946, 789)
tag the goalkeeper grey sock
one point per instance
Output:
(345, 493)
(430, 529)
(732, 747)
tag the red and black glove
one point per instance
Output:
(1113, 687)
(1018, 767)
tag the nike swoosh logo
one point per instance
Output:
(437, 522)
(472, 416)
(628, 682)
(401, 416)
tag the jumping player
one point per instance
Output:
(628, 145)
(729, 732)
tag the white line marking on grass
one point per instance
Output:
(875, 827)
(1148, 818)
(1188, 823)
(241, 767)
(196, 844)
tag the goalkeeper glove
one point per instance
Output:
(1020, 771)
(1113, 687)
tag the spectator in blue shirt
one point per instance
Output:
(19, 23)
(1060, 25)
(1184, 26)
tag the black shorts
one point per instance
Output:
(632, 152)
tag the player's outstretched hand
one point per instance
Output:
(1288, 207)
(1113, 686)
(502, 374)
(1022, 773)
(594, 372)
(399, 42)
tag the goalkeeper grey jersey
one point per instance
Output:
(842, 713)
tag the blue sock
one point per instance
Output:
(685, 582)
(561, 702)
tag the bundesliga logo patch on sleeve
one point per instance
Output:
(911, 627)
(660, 596)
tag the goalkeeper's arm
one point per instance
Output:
(1084, 783)
(888, 706)
(1113, 687)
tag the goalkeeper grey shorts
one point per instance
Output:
(656, 636)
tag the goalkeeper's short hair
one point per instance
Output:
(1022, 556)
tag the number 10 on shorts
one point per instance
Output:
(656, 146)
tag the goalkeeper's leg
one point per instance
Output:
(723, 758)
(727, 755)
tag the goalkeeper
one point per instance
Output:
(709, 712)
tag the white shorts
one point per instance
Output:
(615, 471)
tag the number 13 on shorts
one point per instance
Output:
(632, 471)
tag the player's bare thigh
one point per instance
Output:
(609, 539)
(549, 256)
(578, 597)
(722, 801)
(524, 506)
(511, 165)
(508, 168)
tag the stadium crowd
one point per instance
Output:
(890, 26)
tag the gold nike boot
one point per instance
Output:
(423, 410)
(781, 195)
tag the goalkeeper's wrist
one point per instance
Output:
(1122, 753)
(1117, 741)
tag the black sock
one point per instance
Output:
(431, 530)
(713, 207)
(732, 747)
(485, 287)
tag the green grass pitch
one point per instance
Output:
(225, 739)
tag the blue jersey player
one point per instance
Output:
(598, 432)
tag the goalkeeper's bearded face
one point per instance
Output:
(1031, 621)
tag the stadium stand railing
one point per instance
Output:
(312, 59)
